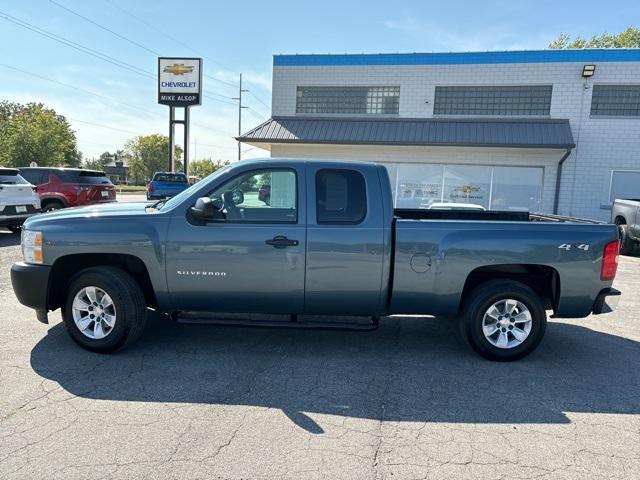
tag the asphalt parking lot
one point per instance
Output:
(408, 401)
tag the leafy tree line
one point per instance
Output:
(629, 38)
(33, 132)
(147, 154)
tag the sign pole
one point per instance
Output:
(172, 137)
(186, 141)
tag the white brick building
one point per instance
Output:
(489, 128)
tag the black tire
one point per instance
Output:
(267, 200)
(127, 298)
(626, 243)
(15, 228)
(52, 205)
(481, 299)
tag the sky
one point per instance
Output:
(107, 105)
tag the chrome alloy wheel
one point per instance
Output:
(94, 312)
(507, 323)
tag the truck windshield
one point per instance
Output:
(178, 199)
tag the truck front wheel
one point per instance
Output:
(105, 309)
(503, 320)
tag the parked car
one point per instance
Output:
(69, 187)
(166, 185)
(334, 246)
(18, 199)
(626, 214)
(264, 194)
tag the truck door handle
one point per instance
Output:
(280, 241)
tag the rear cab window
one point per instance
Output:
(170, 178)
(341, 197)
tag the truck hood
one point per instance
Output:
(108, 210)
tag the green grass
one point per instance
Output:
(131, 188)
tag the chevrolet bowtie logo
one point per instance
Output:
(178, 69)
(467, 189)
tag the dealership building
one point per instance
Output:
(546, 130)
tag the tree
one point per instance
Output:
(149, 154)
(35, 133)
(204, 167)
(93, 164)
(629, 38)
(106, 158)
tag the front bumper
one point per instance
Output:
(606, 301)
(31, 285)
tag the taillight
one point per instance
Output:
(610, 260)
(149, 188)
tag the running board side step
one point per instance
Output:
(287, 321)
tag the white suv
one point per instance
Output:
(18, 199)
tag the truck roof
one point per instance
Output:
(66, 169)
(290, 160)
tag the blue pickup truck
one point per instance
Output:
(328, 243)
(166, 185)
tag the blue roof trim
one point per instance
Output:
(460, 58)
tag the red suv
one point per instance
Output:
(69, 187)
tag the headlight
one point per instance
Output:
(32, 246)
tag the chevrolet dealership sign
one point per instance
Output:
(179, 81)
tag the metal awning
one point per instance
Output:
(467, 132)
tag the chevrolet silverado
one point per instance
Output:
(328, 243)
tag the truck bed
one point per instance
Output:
(487, 215)
(433, 257)
(424, 214)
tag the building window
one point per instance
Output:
(616, 100)
(625, 184)
(348, 100)
(497, 100)
(493, 187)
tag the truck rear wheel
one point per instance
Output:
(105, 309)
(503, 320)
(626, 243)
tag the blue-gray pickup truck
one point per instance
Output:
(328, 244)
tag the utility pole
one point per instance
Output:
(240, 107)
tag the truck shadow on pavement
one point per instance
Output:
(410, 370)
(8, 239)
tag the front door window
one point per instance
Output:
(258, 196)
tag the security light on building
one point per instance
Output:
(588, 71)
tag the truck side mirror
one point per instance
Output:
(206, 211)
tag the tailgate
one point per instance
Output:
(20, 195)
(169, 188)
(102, 193)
